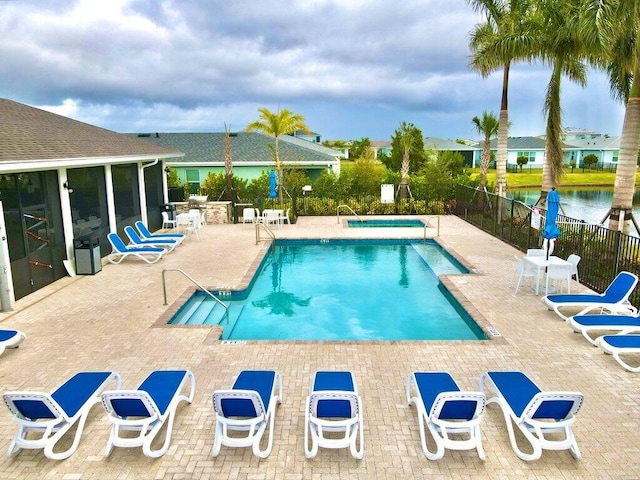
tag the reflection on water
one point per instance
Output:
(588, 204)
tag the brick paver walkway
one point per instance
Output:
(110, 321)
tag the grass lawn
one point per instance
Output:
(590, 178)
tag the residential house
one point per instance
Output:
(251, 154)
(470, 153)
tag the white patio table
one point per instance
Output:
(540, 263)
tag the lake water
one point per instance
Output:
(588, 204)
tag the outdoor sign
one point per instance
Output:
(535, 218)
(386, 193)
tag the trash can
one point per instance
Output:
(87, 253)
(170, 208)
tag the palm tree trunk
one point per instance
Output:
(553, 154)
(279, 170)
(503, 136)
(627, 164)
(484, 162)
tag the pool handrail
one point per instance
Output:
(206, 291)
(269, 231)
(348, 208)
(426, 224)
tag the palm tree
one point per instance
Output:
(406, 138)
(616, 23)
(488, 127)
(562, 47)
(277, 124)
(506, 36)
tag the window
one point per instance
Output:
(193, 179)
(614, 157)
(530, 156)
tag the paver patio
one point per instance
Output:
(109, 321)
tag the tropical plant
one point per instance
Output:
(616, 25)
(407, 135)
(360, 149)
(564, 49)
(522, 161)
(487, 126)
(589, 160)
(507, 35)
(277, 124)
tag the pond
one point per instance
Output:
(588, 204)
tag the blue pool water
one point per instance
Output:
(393, 222)
(344, 290)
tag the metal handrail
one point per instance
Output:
(269, 231)
(426, 224)
(350, 209)
(164, 288)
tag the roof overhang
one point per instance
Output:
(56, 163)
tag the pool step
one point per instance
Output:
(187, 311)
(234, 313)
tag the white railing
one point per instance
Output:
(267, 229)
(426, 224)
(164, 289)
(348, 208)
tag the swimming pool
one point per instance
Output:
(343, 290)
(392, 222)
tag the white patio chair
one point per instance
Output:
(574, 260)
(523, 270)
(248, 215)
(167, 222)
(558, 272)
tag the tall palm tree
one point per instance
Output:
(506, 36)
(617, 26)
(405, 132)
(277, 124)
(488, 127)
(562, 47)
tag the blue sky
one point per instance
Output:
(353, 68)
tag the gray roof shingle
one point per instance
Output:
(246, 147)
(29, 134)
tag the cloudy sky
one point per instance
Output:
(353, 68)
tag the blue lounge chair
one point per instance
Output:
(146, 410)
(534, 413)
(52, 416)
(333, 406)
(10, 339)
(145, 234)
(621, 344)
(447, 412)
(615, 298)
(250, 406)
(136, 241)
(120, 251)
(585, 324)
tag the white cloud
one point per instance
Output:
(355, 68)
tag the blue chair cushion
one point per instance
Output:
(623, 341)
(259, 381)
(430, 384)
(339, 381)
(161, 385)
(7, 334)
(71, 396)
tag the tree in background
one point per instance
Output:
(563, 48)
(589, 160)
(360, 149)
(487, 126)
(407, 134)
(277, 124)
(507, 35)
(616, 25)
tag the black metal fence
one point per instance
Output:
(604, 252)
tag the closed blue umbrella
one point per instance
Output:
(272, 184)
(551, 230)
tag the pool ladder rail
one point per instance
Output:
(206, 291)
(348, 208)
(426, 224)
(267, 229)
